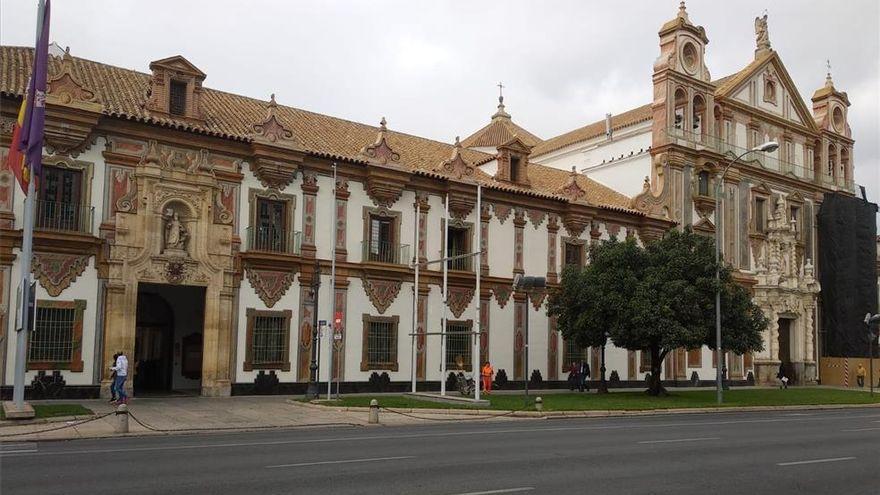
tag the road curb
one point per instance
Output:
(604, 413)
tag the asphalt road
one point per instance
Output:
(810, 452)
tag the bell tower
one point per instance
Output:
(833, 156)
(683, 95)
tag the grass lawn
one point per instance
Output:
(54, 410)
(634, 401)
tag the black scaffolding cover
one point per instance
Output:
(847, 272)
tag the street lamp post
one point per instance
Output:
(767, 147)
(871, 320)
(528, 284)
(603, 385)
(312, 392)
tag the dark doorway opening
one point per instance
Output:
(785, 348)
(168, 339)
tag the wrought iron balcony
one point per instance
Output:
(273, 240)
(64, 217)
(465, 263)
(385, 252)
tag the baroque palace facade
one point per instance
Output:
(187, 226)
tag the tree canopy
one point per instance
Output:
(655, 298)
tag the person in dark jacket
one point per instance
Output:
(783, 380)
(573, 379)
(583, 376)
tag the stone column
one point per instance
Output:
(217, 338)
(552, 243)
(485, 217)
(423, 207)
(119, 329)
(421, 340)
(306, 321)
(552, 349)
(520, 307)
(485, 308)
(342, 195)
(339, 308)
(519, 223)
(310, 192)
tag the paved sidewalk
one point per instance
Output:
(197, 414)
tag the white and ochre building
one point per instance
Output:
(186, 226)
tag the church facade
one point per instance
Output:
(194, 229)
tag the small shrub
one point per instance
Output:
(614, 378)
(501, 378)
(750, 378)
(695, 379)
(380, 383)
(536, 378)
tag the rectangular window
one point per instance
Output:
(177, 98)
(268, 340)
(381, 238)
(458, 345)
(760, 216)
(271, 226)
(514, 168)
(60, 196)
(572, 353)
(703, 183)
(457, 244)
(573, 253)
(379, 343)
(695, 358)
(56, 341)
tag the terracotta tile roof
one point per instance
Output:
(726, 84)
(596, 129)
(499, 131)
(123, 93)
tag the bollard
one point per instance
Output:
(374, 412)
(121, 418)
(539, 404)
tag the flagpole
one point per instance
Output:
(445, 299)
(475, 359)
(27, 253)
(332, 327)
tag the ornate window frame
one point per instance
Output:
(383, 212)
(695, 358)
(274, 195)
(75, 364)
(459, 224)
(85, 168)
(581, 245)
(252, 314)
(393, 364)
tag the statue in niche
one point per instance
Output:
(176, 234)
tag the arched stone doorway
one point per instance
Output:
(171, 230)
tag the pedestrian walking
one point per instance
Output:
(120, 367)
(860, 375)
(783, 380)
(573, 379)
(486, 372)
(113, 379)
(584, 376)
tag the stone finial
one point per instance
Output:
(380, 151)
(501, 113)
(383, 125)
(828, 81)
(270, 128)
(457, 142)
(762, 35)
(682, 10)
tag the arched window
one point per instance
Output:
(770, 91)
(719, 122)
(680, 107)
(699, 116)
(844, 164)
(703, 183)
(832, 161)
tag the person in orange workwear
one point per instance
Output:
(486, 372)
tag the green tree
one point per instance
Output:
(655, 299)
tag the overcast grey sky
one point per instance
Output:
(431, 67)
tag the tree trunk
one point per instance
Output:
(655, 386)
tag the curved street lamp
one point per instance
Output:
(768, 147)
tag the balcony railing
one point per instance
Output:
(465, 263)
(385, 252)
(273, 240)
(764, 160)
(66, 217)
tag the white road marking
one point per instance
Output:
(688, 424)
(864, 429)
(346, 461)
(676, 440)
(503, 490)
(815, 461)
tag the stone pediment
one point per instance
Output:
(380, 151)
(456, 166)
(179, 64)
(65, 88)
(572, 190)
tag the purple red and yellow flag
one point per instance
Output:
(25, 157)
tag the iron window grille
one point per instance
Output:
(177, 98)
(572, 353)
(458, 345)
(56, 339)
(270, 340)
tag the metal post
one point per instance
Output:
(312, 391)
(415, 310)
(718, 215)
(526, 353)
(331, 342)
(27, 253)
(475, 359)
(603, 384)
(445, 291)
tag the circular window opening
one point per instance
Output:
(837, 118)
(690, 57)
